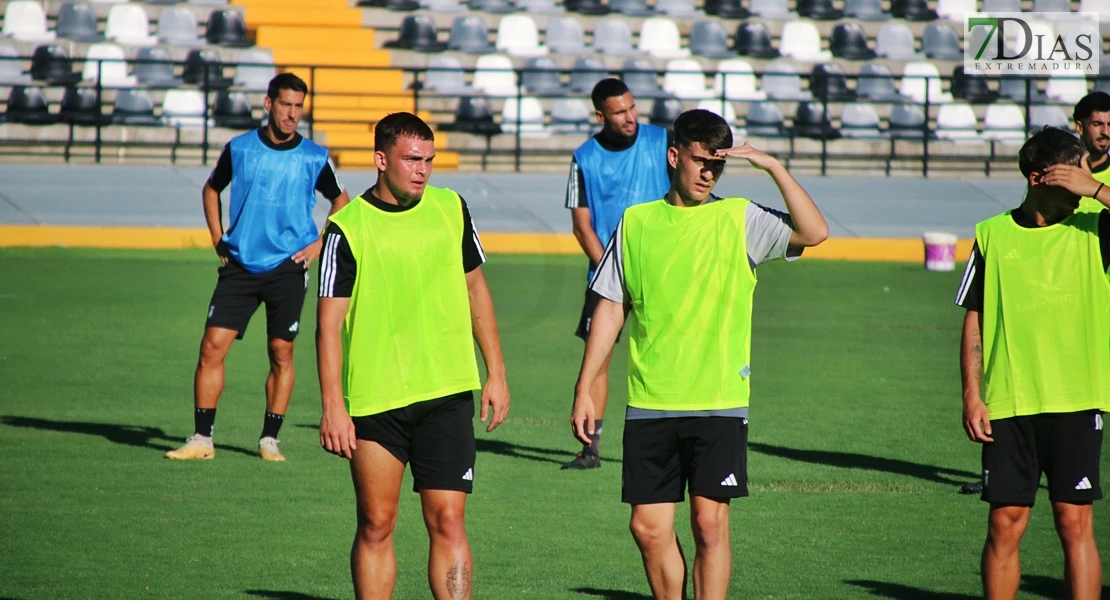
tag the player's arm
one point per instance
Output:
(584, 233)
(210, 200)
(338, 271)
(1077, 180)
(977, 422)
(606, 325)
(495, 393)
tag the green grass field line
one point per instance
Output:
(856, 447)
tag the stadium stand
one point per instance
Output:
(77, 22)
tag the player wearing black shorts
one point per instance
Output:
(271, 238)
(1035, 362)
(402, 301)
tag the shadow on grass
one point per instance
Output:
(137, 436)
(897, 591)
(851, 460)
(1050, 587)
(533, 453)
(611, 594)
(276, 595)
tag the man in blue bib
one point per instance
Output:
(270, 240)
(622, 165)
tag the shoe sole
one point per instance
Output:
(271, 458)
(201, 457)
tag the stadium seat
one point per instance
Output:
(664, 111)
(1004, 122)
(529, 116)
(877, 83)
(1066, 88)
(254, 70)
(774, 10)
(754, 40)
(541, 77)
(1020, 89)
(177, 26)
(128, 25)
(709, 39)
(849, 40)
(1048, 116)
(819, 10)
(1100, 7)
(80, 106)
(154, 68)
(51, 63)
(564, 36)
(184, 108)
(10, 71)
(678, 9)
(954, 10)
(107, 61)
(912, 10)
(108, 1)
(921, 79)
(865, 10)
(659, 38)
(1043, 6)
(611, 36)
(642, 80)
(939, 42)
(585, 74)
(494, 76)
(233, 111)
(205, 68)
(829, 83)
(971, 87)
(445, 76)
(781, 82)
(1001, 5)
(134, 107)
(727, 9)
(226, 28)
(417, 33)
(735, 79)
(469, 34)
(765, 120)
(907, 121)
(27, 105)
(801, 41)
(859, 120)
(491, 6)
(631, 8)
(957, 121)
(442, 6)
(539, 7)
(25, 20)
(725, 110)
(517, 36)
(209, 2)
(571, 115)
(77, 22)
(811, 122)
(685, 80)
(586, 7)
(895, 41)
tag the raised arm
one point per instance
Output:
(977, 422)
(337, 430)
(604, 328)
(495, 392)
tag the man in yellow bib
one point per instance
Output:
(1092, 123)
(1035, 361)
(402, 300)
(685, 264)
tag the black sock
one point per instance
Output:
(272, 425)
(594, 448)
(204, 420)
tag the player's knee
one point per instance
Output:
(376, 526)
(1074, 524)
(447, 523)
(710, 531)
(281, 356)
(1006, 527)
(648, 532)
(211, 352)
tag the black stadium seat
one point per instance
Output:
(912, 10)
(829, 83)
(848, 40)
(810, 121)
(134, 107)
(727, 9)
(226, 28)
(80, 106)
(753, 39)
(27, 105)
(819, 10)
(233, 110)
(664, 111)
(204, 67)
(51, 63)
(474, 115)
(586, 7)
(971, 87)
(418, 32)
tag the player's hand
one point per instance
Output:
(337, 433)
(1077, 180)
(310, 253)
(221, 250)
(495, 394)
(758, 159)
(977, 421)
(582, 417)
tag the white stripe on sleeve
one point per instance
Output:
(969, 276)
(328, 266)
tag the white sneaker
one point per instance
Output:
(196, 447)
(268, 450)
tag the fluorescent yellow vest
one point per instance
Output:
(1046, 317)
(1088, 204)
(407, 336)
(688, 278)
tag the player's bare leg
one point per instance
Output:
(208, 381)
(713, 555)
(377, 477)
(1001, 560)
(652, 527)
(279, 383)
(450, 566)
(1082, 567)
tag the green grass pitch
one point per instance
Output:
(856, 447)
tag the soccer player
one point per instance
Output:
(622, 165)
(1035, 361)
(685, 265)
(1092, 123)
(402, 300)
(265, 252)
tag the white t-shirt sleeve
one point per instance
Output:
(767, 232)
(608, 280)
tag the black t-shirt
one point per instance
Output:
(337, 264)
(327, 183)
(970, 294)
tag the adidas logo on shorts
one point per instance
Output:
(295, 326)
(730, 481)
(1084, 484)
(469, 475)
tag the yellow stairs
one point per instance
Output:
(330, 33)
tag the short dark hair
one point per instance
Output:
(285, 81)
(605, 89)
(1049, 146)
(396, 125)
(700, 125)
(1093, 102)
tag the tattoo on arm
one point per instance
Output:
(458, 582)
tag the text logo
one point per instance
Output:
(1064, 44)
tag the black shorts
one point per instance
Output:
(239, 292)
(436, 436)
(1066, 447)
(588, 308)
(662, 455)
